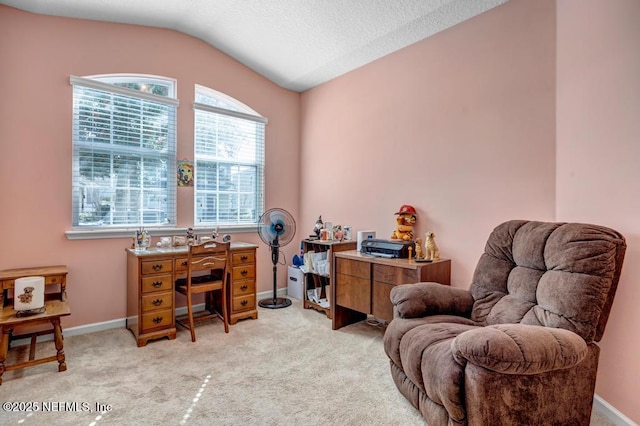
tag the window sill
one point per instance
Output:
(98, 233)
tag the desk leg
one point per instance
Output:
(4, 348)
(57, 332)
(344, 316)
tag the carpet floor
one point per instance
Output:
(286, 368)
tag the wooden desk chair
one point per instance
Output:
(212, 258)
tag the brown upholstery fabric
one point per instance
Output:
(421, 299)
(551, 274)
(517, 347)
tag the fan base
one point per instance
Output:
(278, 302)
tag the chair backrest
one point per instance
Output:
(210, 255)
(561, 275)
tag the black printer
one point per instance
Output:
(387, 248)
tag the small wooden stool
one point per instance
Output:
(56, 307)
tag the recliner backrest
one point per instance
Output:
(561, 275)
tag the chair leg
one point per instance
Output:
(225, 315)
(190, 313)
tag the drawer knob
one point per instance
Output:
(244, 302)
(244, 258)
(157, 302)
(244, 287)
(156, 267)
(156, 284)
(185, 263)
(244, 272)
(157, 320)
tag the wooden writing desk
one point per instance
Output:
(151, 276)
(55, 307)
(363, 284)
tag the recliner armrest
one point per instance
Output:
(422, 299)
(519, 348)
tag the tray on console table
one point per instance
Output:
(363, 284)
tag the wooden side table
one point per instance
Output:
(56, 307)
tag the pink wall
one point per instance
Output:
(463, 126)
(598, 147)
(37, 55)
(460, 125)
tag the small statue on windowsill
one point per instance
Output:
(191, 236)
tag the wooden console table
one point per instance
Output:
(363, 284)
(55, 307)
(151, 275)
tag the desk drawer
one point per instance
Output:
(243, 258)
(355, 268)
(243, 303)
(353, 292)
(393, 275)
(241, 288)
(154, 301)
(157, 283)
(156, 266)
(181, 264)
(52, 279)
(243, 272)
(157, 319)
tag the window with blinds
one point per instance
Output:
(124, 151)
(229, 160)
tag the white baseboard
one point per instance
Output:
(611, 413)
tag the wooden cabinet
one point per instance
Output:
(150, 295)
(363, 284)
(242, 284)
(354, 289)
(320, 281)
(151, 275)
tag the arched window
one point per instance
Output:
(229, 160)
(124, 151)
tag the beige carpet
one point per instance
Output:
(287, 367)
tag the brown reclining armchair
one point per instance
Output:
(519, 346)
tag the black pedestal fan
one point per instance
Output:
(276, 228)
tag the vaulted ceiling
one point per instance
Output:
(298, 44)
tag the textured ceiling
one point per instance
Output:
(297, 44)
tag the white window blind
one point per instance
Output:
(229, 160)
(124, 152)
